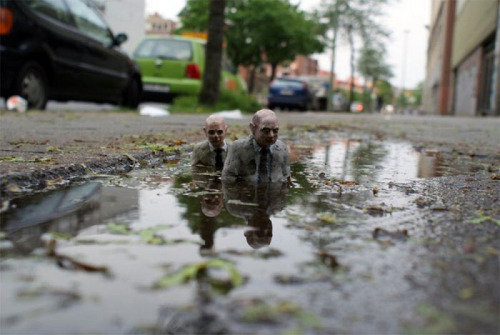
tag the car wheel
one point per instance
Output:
(132, 94)
(271, 107)
(31, 84)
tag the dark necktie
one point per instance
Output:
(219, 163)
(264, 157)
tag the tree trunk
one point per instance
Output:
(213, 57)
(274, 66)
(251, 79)
(351, 86)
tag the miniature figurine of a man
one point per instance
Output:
(213, 151)
(261, 157)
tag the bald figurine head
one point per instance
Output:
(265, 127)
(215, 130)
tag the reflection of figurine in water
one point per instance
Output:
(212, 152)
(211, 204)
(262, 232)
(261, 156)
(255, 203)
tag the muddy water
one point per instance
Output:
(310, 257)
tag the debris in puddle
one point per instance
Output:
(423, 202)
(67, 296)
(264, 254)
(384, 235)
(131, 158)
(289, 279)
(56, 182)
(67, 262)
(14, 188)
(375, 210)
(328, 259)
(375, 190)
(495, 176)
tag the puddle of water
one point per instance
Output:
(268, 232)
(374, 161)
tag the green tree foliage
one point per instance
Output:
(194, 16)
(384, 90)
(372, 66)
(351, 20)
(417, 95)
(259, 31)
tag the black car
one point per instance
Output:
(63, 50)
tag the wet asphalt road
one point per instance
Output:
(37, 142)
(444, 280)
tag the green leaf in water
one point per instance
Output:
(191, 271)
(115, 228)
(325, 217)
(12, 159)
(485, 218)
(59, 235)
(149, 235)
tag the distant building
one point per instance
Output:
(157, 25)
(463, 75)
(124, 16)
(301, 66)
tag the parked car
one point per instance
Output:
(318, 88)
(174, 65)
(290, 92)
(63, 50)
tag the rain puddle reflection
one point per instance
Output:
(151, 224)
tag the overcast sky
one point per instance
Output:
(405, 19)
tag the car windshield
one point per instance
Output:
(164, 49)
(288, 83)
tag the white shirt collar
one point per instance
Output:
(224, 147)
(257, 147)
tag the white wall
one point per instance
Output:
(126, 16)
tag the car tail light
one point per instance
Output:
(193, 71)
(359, 108)
(6, 20)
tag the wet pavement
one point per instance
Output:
(377, 236)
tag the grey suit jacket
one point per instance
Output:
(241, 162)
(202, 155)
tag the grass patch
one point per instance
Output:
(228, 100)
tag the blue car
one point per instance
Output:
(291, 93)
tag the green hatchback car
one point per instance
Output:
(174, 65)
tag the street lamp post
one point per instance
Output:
(403, 70)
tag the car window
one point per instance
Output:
(89, 21)
(165, 49)
(55, 9)
(288, 83)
